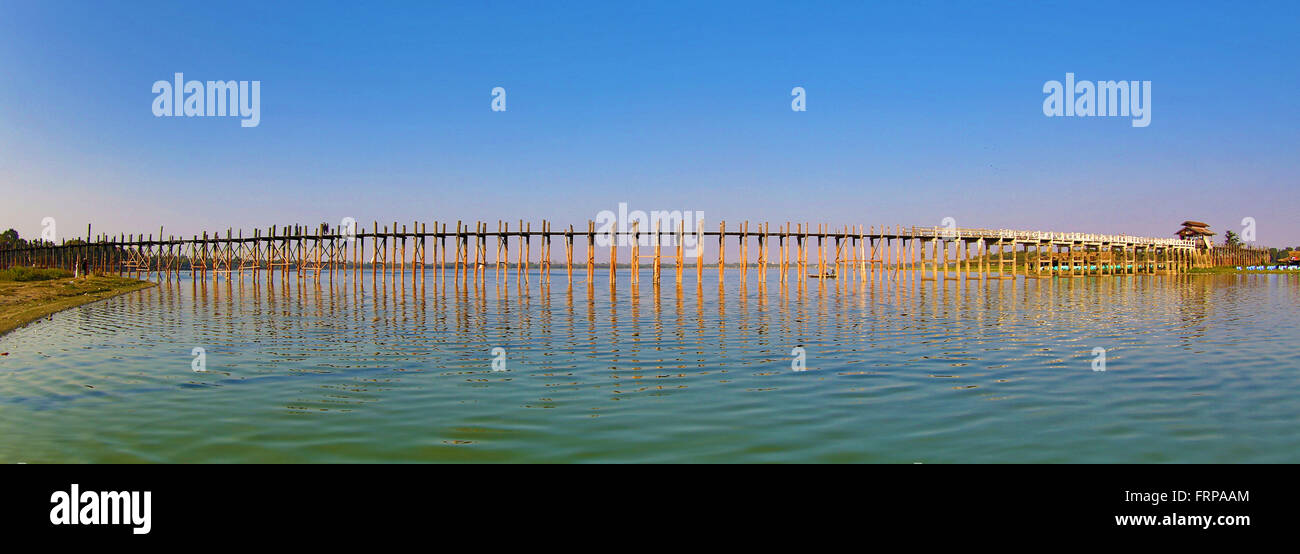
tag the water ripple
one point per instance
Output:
(1198, 369)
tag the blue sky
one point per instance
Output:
(916, 111)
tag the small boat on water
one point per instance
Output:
(830, 275)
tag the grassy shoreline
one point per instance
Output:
(22, 302)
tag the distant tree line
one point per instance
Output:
(9, 240)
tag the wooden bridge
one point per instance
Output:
(845, 252)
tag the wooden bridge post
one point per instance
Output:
(1016, 247)
(480, 253)
(958, 243)
(504, 261)
(1078, 259)
(795, 251)
(474, 236)
(634, 253)
(1002, 256)
(807, 256)
(743, 248)
(259, 256)
(898, 253)
(1069, 259)
(1040, 251)
(591, 251)
(1064, 255)
(358, 241)
(861, 253)
(1054, 262)
(699, 254)
(821, 252)
(887, 248)
(568, 254)
(963, 250)
(614, 236)
(924, 269)
(312, 257)
(934, 258)
(442, 261)
(1038, 262)
(887, 255)
(911, 259)
(681, 238)
(526, 251)
(1053, 258)
(455, 278)
(883, 256)
(657, 263)
(943, 245)
(780, 252)
(203, 256)
(394, 256)
(900, 258)
(971, 258)
(546, 252)
(722, 248)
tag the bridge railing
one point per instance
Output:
(1012, 234)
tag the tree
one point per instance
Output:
(9, 239)
(1231, 239)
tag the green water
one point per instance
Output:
(1198, 369)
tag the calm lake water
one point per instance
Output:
(1198, 369)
